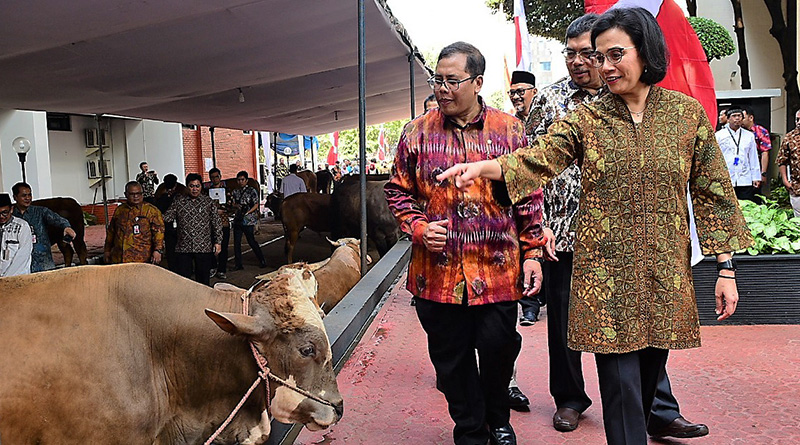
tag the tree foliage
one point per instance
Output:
(715, 39)
(546, 18)
(348, 140)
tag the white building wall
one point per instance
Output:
(31, 125)
(160, 144)
(57, 163)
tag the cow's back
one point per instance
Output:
(68, 347)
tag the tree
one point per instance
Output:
(348, 140)
(785, 37)
(546, 18)
(738, 28)
(714, 38)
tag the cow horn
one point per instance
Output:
(333, 243)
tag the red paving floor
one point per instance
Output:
(744, 383)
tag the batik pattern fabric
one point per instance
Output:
(762, 138)
(40, 218)
(246, 197)
(632, 279)
(789, 155)
(486, 241)
(134, 233)
(199, 224)
(562, 194)
(148, 183)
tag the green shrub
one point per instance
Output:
(774, 228)
(779, 192)
(714, 38)
(89, 219)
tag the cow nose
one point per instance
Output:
(339, 409)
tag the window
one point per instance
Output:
(189, 126)
(58, 122)
(247, 131)
(545, 66)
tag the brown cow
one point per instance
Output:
(335, 275)
(72, 211)
(303, 210)
(127, 354)
(310, 179)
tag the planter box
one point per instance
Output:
(769, 290)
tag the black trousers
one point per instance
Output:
(747, 192)
(170, 241)
(199, 263)
(627, 388)
(238, 229)
(566, 369)
(476, 392)
(222, 258)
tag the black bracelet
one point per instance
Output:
(725, 276)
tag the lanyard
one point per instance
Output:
(734, 140)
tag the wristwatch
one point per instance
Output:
(727, 265)
(539, 260)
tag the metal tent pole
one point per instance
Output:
(362, 131)
(103, 172)
(411, 83)
(213, 147)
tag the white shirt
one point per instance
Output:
(293, 184)
(742, 161)
(16, 246)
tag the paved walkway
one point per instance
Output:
(744, 383)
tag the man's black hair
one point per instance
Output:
(476, 63)
(214, 170)
(244, 173)
(142, 163)
(293, 168)
(646, 35)
(170, 180)
(15, 189)
(581, 25)
(193, 177)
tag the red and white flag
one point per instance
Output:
(382, 145)
(688, 70)
(333, 153)
(521, 43)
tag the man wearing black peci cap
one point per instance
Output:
(523, 88)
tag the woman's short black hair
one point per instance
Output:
(646, 35)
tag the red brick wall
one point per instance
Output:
(235, 151)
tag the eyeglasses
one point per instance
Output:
(614, 56)
(519, 91)
(571, 55)
(5, 213)
(451, 84)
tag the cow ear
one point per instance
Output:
(234, 324)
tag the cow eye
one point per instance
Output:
(307, 351)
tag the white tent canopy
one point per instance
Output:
(295, 61)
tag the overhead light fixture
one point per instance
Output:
(241, 96)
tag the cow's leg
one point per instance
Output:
(67, 251)
(291, 241)
(80, 247)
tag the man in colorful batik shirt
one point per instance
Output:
(136, 232)
(148, 180)
(763, 141)
(789, 156)
(465, 272)
(246, 202)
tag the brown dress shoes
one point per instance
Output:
(566, 419)
(682, 429)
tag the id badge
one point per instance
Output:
(33, 238)
(736, 160)
(136, 230)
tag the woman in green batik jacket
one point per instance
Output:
(632, 298)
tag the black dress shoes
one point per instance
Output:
(502, 436)
(517, 400)
(566, 419)
(682, 429)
